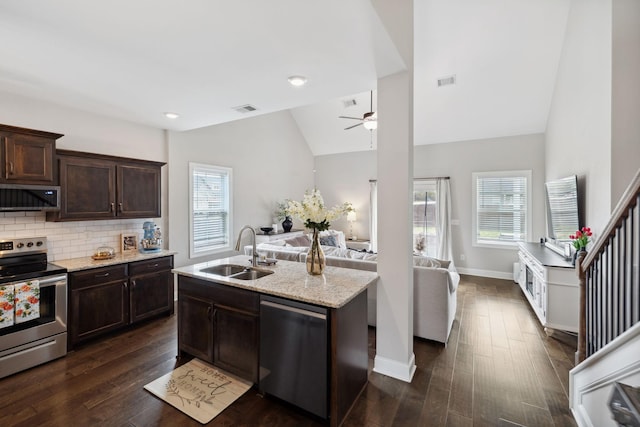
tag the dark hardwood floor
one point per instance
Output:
(499, 369)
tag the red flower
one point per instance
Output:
(581, 238)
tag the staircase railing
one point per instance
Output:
(610, 277)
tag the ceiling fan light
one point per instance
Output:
(297, 80)
(370, 124)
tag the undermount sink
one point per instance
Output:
(235, 271)
(251, 274)
(224, 269)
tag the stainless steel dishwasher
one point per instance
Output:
(293, 353)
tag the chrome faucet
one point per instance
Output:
(254, 254)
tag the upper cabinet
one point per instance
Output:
(106, 187)
(27, 156)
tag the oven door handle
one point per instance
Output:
(52, 280)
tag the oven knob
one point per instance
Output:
(39, 243)
(29, 244)
(20, 245)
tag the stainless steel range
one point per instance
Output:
(33, 306)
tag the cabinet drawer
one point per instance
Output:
(236, 298)
(224, 295)
(150, 266)
(96, 276)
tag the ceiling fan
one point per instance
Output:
(369, 120)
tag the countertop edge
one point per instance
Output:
(262, 286)
(86, 263)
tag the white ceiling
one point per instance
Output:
(135, 60)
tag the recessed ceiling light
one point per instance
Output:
(171, 115)
(297, 80)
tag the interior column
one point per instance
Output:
(394, 331)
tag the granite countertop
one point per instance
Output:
(336, 287)
(84, 263)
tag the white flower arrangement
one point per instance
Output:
(311, 210)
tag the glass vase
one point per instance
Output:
(315, 257)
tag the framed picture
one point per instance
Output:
(128, 243)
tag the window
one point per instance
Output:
(425, 212)
(209, 209)
(429, 221)
(502, 206)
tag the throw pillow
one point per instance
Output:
(423, 261)
(444, 264)
(328, 241)
(298, 241)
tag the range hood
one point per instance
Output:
(14, 197)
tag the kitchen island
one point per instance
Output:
(226, 321)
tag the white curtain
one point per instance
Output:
(443, 202)
(373, 215)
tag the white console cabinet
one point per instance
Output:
(550, 284)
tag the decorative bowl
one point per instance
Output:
(266, 230)
(104, 252)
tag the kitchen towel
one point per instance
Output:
(6, 305)
(27, 301)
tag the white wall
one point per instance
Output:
(270, 160)
(578, 137)
(625, 108)
(345, 177)
(349, 174)
(82, 132)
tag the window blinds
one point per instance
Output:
(210, 208)
(501, 208)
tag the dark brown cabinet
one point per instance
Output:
(235, 346)
(28, 156)
(99, 302)
(107, 187)
(219, 324)
(105, 299)
(150, 288)
(195, 326)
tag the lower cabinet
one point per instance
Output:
(219, 324)
(150, 288)
(98, 303)
(105, 299)
(235, 347)
(195, 326)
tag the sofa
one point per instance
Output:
(435, 282)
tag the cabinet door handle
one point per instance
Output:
(11, 168)
(112, 206)
(102, 275)
(120, 207)
(153, 266)
(125, 285)
(209, 310)
(133, 284)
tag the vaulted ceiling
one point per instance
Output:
(135, 60)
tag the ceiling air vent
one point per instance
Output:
(446, 81)
(349, 103)
(245, 108)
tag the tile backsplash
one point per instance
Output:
(72, 239)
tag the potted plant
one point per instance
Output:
(312, 211)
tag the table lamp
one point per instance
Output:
(351, 217)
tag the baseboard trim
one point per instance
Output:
(485, 273)
(394, 368)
